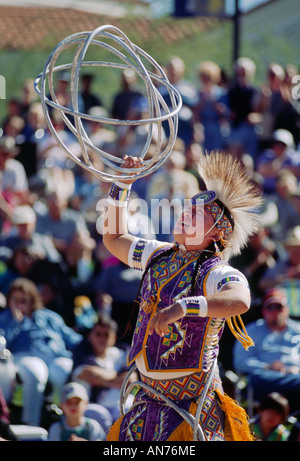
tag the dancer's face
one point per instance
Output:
(193, 228)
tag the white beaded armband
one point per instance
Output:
(119, 194)
(194, 306)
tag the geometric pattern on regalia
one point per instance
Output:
(138, 323)
(176, 338)
(135, 427)
(159, 428)
(186, 387)
(185, 279)
(183, 294)
(210, 420)
(224, 223)
(161, 272)
(180, 388)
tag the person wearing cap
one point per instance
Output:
(13, 176)
(274, 363)
(23, 220)
(281, 154)
(13, 183)
(187, 292)
(74, 425)
(286, 271)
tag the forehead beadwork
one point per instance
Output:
(209, 200)
(204, 198)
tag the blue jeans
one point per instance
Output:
(264, 382)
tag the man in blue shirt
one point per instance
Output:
(273, 364)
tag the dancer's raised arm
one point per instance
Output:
(116, 237)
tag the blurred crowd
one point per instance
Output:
(49, 220)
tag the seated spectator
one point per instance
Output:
(273, 364)
(289, 115)
(280, 155)
(132, 139)
(13, 177)
(13, 184)
(74, 425)
(80, 263)
(59, 221)
(101, 366)
(268, 425)
(127, 93)
(41, 344)
(51, 278)
(175, 70)
(241, 100)
(101, 135)
(212, 108)
(270, 101)
(261, 253)
(23, 231)
(286, 269)
(49, 152)
(285, 188)
(88, 96)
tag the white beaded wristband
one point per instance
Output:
(123, 185)
(118, 194)
(194, 306)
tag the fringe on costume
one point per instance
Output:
(240, 334)
(236, 420)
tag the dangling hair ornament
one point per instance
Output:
(217, 249)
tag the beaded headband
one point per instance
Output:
(221, 215)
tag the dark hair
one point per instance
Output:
(106, 322)
(276, 402)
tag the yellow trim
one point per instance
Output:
(236, 419)
(184, 432)
(242, 336)
(114, 431)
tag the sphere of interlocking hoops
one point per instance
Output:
(132, 57)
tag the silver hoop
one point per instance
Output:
(131, 57)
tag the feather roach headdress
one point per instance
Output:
(231, 197)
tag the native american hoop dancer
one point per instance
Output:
(187, 293)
